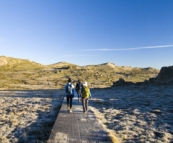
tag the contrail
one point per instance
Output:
(76, 55)
(127, 49)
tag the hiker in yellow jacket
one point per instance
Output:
(85, 95)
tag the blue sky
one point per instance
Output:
(137, 33)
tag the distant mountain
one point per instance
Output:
(61, 64)
(25, 74)
(10, 63)
(112, 66)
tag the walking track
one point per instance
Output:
(77, 127)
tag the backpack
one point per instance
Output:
(69, 89)
(85, 92)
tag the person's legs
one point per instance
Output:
(67, 100)
(68, 108)
(71, 102)
(86, 104)
(79, 95)
(71, 98)
(83, 104)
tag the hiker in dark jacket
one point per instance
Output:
(79, 89)
(69, 90)
(85, 95)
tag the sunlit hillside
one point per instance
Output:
(25, 74)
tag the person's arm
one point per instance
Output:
(73, 89)
(90, 94)
(66, 89)
(76, 87)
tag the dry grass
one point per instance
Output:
(24, 74)
(101, 120)
(4, 139)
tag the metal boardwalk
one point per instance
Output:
(77, 127)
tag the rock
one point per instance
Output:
(122, 82)
(165, 76)
(159, 134)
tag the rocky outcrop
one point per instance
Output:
(165, 76)
(122, 82)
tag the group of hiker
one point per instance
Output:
(82, 91)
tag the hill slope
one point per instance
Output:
(24, 74)
(9, 63)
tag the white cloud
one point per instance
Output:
(127, 49)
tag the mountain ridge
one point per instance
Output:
(26, 74)
(5, 60)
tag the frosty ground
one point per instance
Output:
(28, 116)
(136, 114)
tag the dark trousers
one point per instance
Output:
(85, 104)
(69, 101)
(79, 94)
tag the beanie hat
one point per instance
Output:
(85, 83)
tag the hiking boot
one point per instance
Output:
(68, 108)
(85, 112)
